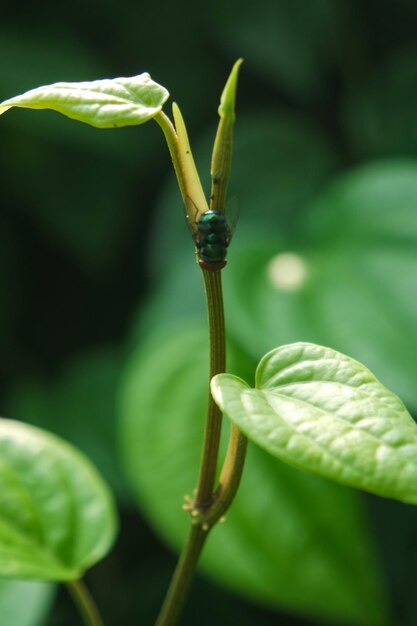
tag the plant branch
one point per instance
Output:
(188, 560)
(229, 481)
(183, 577)
(217, 342)
(207, 507)
(84, 602)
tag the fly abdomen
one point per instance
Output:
(213, 253)
(213, 239)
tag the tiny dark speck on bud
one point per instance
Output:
(187, 152)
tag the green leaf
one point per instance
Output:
(325, 413)
(357, 289)
(24, 603)
(227, 101)
(78, 404)
(71, 61)
(288, 159)
(290, 540)
(189, 180)
(108, 103)
(57, 517)
(221, 158)
(68, 60)
(379, 114)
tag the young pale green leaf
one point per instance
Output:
(228, 97)
(221, 158)
(57, 516)
(108, 103)
(190, 179)
(323, 412)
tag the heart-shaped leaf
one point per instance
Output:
(290, 539)
(38, 597)
(83, 396)
(352, 261)
(108, 103)
(57, 516)
(323, 412)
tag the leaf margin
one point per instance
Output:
(234, 397)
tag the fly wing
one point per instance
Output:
(192, 215)
(232, 214)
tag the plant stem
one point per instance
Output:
(182, 579)
(85, 603)
(188, 560)
(230, 477)
(217, 342)
(208, 506)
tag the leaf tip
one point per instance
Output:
(227, 100)
(175, 109)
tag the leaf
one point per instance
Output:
(221, 158)
(357, 292)
(104, 103)
(288, 159)
(226, 108)
(69, 60)
(291, 540)
(379, 115)
(189, 180)
(48, 130)
(83, 396)
(33, 610)
(57, 517)
(325, 413)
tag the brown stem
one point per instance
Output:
(214, 296)
(182, 579)
(84, 602)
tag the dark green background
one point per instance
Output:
(95, 255)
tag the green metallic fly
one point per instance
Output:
(212, 234)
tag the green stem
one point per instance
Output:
(217, 342)
(183, 577)
(229, 481)
(184, 573)
(85, 603)
(207, 507)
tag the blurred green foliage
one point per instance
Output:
(284, 540)
(38, 600)
(96, 260)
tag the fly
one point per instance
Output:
(212, 234)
